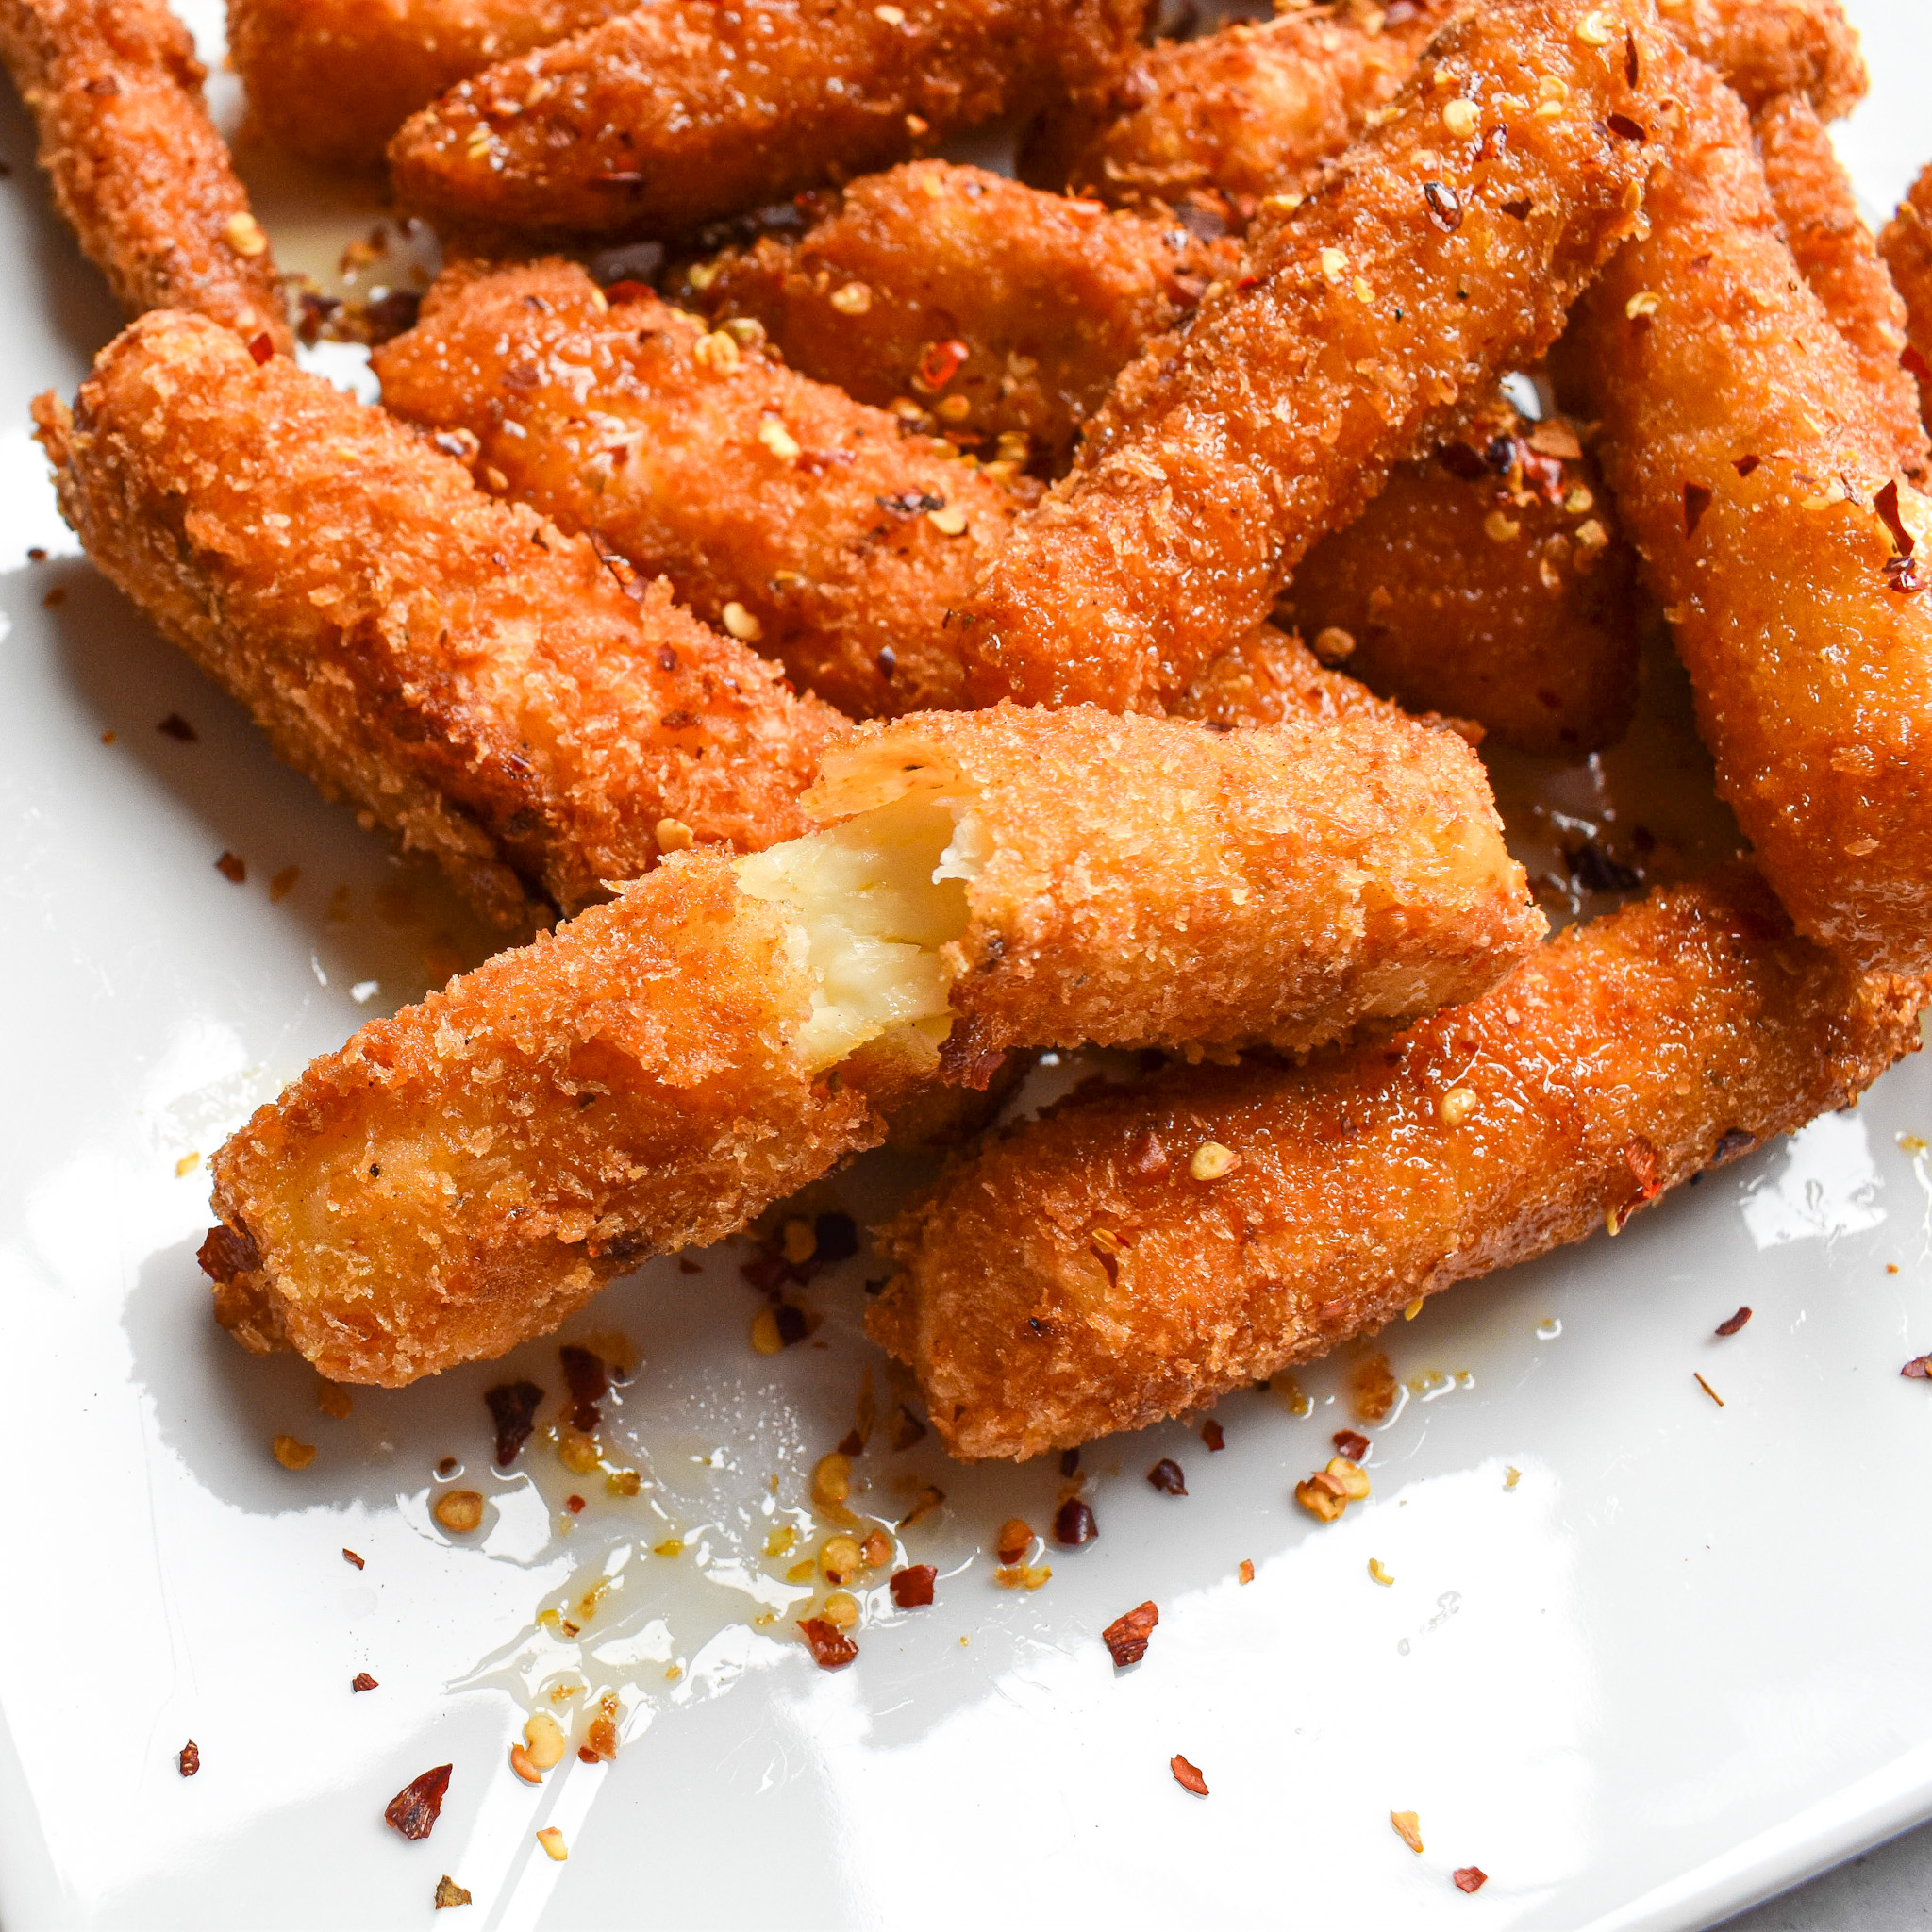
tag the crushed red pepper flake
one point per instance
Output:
(1187, 1775)
(188, 1759)
(1913, 361)
(363, 1681)
(940, 362)
(1624, 128)
(1070, 1462)
(1886, 504)
(414, 1809)
(575, 1505)
(1246, 1573)
(1469, 1877)
(1519, 209)
(1733, 1322)
(1074, 1523)
(448, 1892)
(1444, 206)
(233, 868)
(513, 1412)
(1919, 1369)
(1351, 1443)
(831, 1649)
(262, 348)
(1213, 1435)
(1167, 1477)
(588, 1377)
(911, 1588)
(350, 1557)
(1696, 501)
(177, 728)
(907, 1428)
(1127, 1636)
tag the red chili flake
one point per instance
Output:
(1212, 1434)
(1166, 1476)
(1469, 1877)
(1495, 139)
(1696, 501)
(190, 1760)
(1074, 1523)
(1627, 129)
(1150, 1154)
(1127, 1636)
(911, 1588)
(262, 348)
(831, 1649)
(585, 1755)
(1351, 1443)
(1630, 73)
(350, 1557)
(940, 364)
(1070, 1462)
(1886, 504)
(911, 503)
(1519, 209)
(1919, 1369)
(232, 868)
(104, 85)
(628, 291)
(793, 1325)
(1444, 206)
(447, 1466)
(1744, 465)
(1187, 1775)
(1914, 363)
(907, 1428)
(575, 1505)
(1736, 1322)
(590, 1382)
(363, 1681)
(1903, 574)
(1639, 1156)
(177, 728)
(513, 1410)
(414, 1809)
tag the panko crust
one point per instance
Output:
(1070, 1277)
(463, 1175)
(1764, 48)
(1154, 883)
(136, 169)
(666, 117)
(332, 81)
(1493, 581)
(1048, 297)
(1371, 315)
(1837, 255)
(1756, 475)
(478, 684)
(845, 541)
(1271, 676)
(1905, 243)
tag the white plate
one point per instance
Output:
(1678, 1666)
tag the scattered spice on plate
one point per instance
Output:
(1127, 1636)
(363, 1681)
(552, 1842)
(177, 728)
(911, 1588)
(1070, 1462)
(1919, 1369)
(1330, 1490)
(459, 1511)
(1709, 1389)
(1380, 1570)
(1408, 1830)
(1014, 1539)
(1187, 1775)
(233, 868)
(513, 1413)
(350, 1557)
(190, 1759)
(1212, 1435)
(831, 1649)
(414, 1809)
(590, 1382)
(292, 1454)
(448, 1892)
(1074, 1523)
(1246, 1573)
(1734, 1322)
(1351, 1443)
(1469, 1877)
(1375, 1388)
(1166, 1476)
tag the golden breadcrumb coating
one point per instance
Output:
(1905, 243)
(1074, 1275)
(1440, 253)
(1754, 471)
(1271, 677)
(1835, 253)
(1253, 110)
(776, 506)
(466, 1175)
(332, 81)
(1493, 582)
(1136, 881)
(1249, 109)
(663, 118)
(997, 309)
(470, 679)
(138, 171)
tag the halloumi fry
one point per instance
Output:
(1490, 582)
(474, 681)
(1756, 475)
(666, 117)
(462, 1175)
(1905, 243)
(1837, 255)
(1138, 1251)
(777, 507)
(332, 81)
(1443, 250)
(997, 309)
(137, 168)
(1254, 110)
